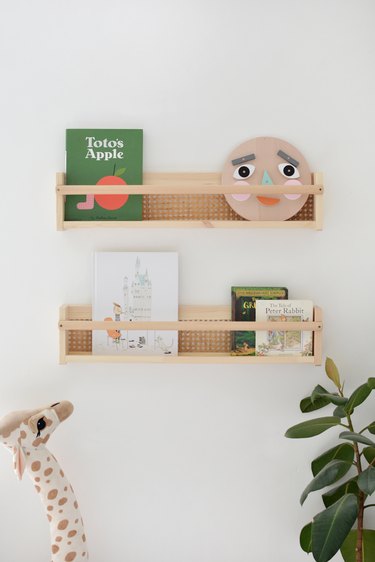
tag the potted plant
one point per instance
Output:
(353, 458)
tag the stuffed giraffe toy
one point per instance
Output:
(25, 434)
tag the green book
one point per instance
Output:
(104, 157)
(243, 309)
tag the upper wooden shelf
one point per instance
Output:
(204, 336)
(193, 200)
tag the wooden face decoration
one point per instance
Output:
(266, 161)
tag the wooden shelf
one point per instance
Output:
(193, 200)
(204, 336)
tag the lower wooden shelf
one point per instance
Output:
(204, 336)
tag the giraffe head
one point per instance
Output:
(31, 429)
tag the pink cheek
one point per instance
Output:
(241, 196)
(293, 196)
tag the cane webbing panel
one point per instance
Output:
(203, 207)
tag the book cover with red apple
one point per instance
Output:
(104, 157)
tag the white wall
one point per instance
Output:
(182, 463)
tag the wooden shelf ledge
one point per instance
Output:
(210, 322)
(189, 184)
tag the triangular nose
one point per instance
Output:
(266, 180)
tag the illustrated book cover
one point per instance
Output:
(104, 157)
(135, 287)
(243, 309)
(278, 342)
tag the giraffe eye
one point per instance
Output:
(41, 424)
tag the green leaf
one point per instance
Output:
(349, 487)
(331, 526)
(332, 372)
(358, 396)
(368, 546)
(340, 412)
(332, 472)
(344, 452)
(366, 481)
(371, 383)
(305, 538)
(371, 428)
(120, 171)
(333, 398)
(357, 438)
(312, 427)
(308, 405)
(369, 453)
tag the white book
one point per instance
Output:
(278, 342)
(135, 286)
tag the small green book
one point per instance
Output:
(104, 157)
(243, 309)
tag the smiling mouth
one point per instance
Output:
(268, 201)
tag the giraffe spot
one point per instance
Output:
(37, 489)
(55, 548)
(37, 479)
(48, 471)
(69, 542)
(23, 434)
(62, 473)
(50, 507)
(35, 466)
(76, 504)
(28, 454)
(61, 510)
(52, 494)
(65, 489)
(58, 539)
(83, 553)
(84, 538)
(70, 556)
(49, 517)
(72, 533)
(48, 459)
(63, 524)
(48, 481)
(62, 501)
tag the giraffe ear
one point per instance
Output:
(19, 462)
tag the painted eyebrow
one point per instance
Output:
(288, 158)
(246, 158)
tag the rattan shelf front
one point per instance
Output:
(193, 200)
(204, 336)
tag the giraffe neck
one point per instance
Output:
(68, 541)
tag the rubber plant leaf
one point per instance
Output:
(330, 474)
(368, 546)
(366, 480)
(332, 372)
(357, 438)
(305, 539)
(331, 526)
(344, 452)
(311, 428)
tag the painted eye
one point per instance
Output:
(41, 424)
(288, 170)
(243, 172)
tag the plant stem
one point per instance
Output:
(361, 500)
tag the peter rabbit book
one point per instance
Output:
(135, 287)
(104, 157)
(244, 301)
(279, 342)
